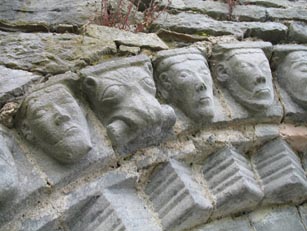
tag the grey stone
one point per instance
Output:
(129, 50)
(220, 11)
(122, 94)
(298, 32)
(120, 37)
(245, 81)
(176, 197)
(8, 171)
(303, 213)
(227, 224)
(33, 15)
(203, 25)
(293, 13)
(268, 3)
(51, 119)
(51, 53)
(281, 174)
(14, 83)
(290, 62)
(232, 182)
(183, 79)
(277, 219)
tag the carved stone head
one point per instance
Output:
(122, 94)
(292, 76)
(247, 75)
(8, 173)
(183, 79)
(52, 119)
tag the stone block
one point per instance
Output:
(291, 13)
(277, 219)
(48, 53)
(227, 224)
(14, 83)
(122, 94)
(126, 38)
(231, 182)
(191, 23)
(50, 16)
(268, 3)
(303, 213)
(179, 201)
(281, 174)
(298, 32)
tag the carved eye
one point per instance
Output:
(184, 74)
(112, 93)
(149, 84)
(302, 68)
(39, 113)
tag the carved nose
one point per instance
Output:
(200, 87)
(61, 116)
(260, 79)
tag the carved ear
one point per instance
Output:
(222, 74)
(26, 131)
(90, 83)
(165, 85)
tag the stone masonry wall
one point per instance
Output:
(199, 125)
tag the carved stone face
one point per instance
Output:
(124, 99)
(292, 76)
(248, 78)
(8, 173)
(55, 122)
(188, 85)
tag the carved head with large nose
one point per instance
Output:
(184, 80)
(122, 94)
(247, 75)
(52, 119)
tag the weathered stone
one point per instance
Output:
(51, 53)
(176, 197)
(127, 38)
(232, 182)
(8, 171)
(277, 219)
(295, 135)
(303, 213)
(122, 94)
(291, 64)
(14, 83)
(129, 50)
(220, 11)
(33, 15)
(281, 174)
(7, 113)
(293, 13)
(267, 3)
(245, 81)
(227, 224)
(203, 25)
(298, 32)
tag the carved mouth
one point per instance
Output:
(204, 100)
(265, 92)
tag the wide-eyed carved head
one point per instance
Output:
(247, 75)
(183, 79)
(122, 94)
(52, 119)
(292, 76)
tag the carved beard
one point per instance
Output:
(246, 98)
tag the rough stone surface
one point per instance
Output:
(278, 219)
(176, 197)
(232, 182)
(51, 53)
(281, 174)
(127, 38)
(14, 83)
(298, 32)
(268, 3)
(293, 13)
(33, 15)
(202, 24)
